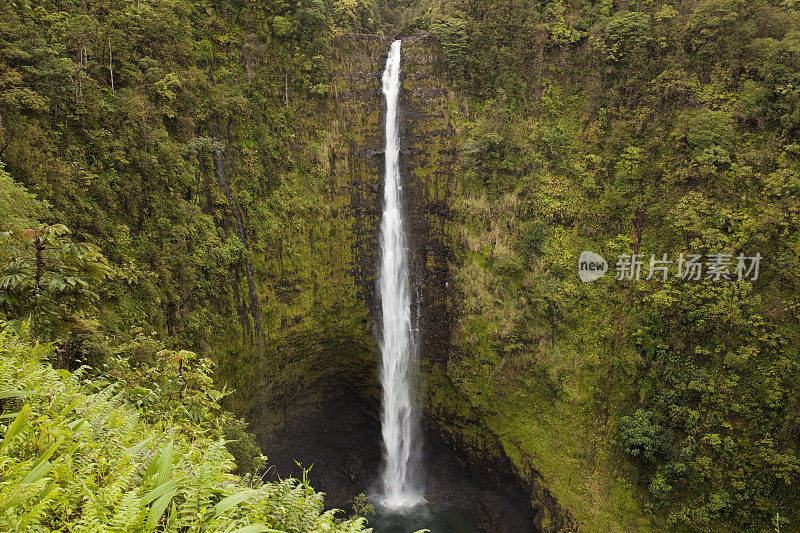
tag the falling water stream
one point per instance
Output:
(401, 506)
(399, 418)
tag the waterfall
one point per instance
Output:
(399, 419)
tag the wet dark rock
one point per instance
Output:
(320, 403)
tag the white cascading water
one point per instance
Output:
(397, 347)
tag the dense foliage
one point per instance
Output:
(149, 128)
(80, 453)
(189, 139)
(636, 128)
(48, 278)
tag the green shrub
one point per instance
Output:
(453, 34)
(532, 238)
(242, 445)
(643, 438)
(80, 458)
(710, 136)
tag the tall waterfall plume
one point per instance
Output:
(398, 354)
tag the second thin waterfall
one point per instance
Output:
(398, 354)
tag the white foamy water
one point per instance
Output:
(399, 419)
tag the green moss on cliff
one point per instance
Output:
(643, 401)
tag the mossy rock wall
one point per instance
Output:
(313, 394)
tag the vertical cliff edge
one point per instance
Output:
(315, 396)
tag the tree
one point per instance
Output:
(44, 275)
(453, 34)
(17, 205)
(643, 438)
(710, 137)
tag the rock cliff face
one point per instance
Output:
(428, 162)
(317, 399)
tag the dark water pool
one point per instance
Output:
(436, 518)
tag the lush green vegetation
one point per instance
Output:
(47, 277)
(194, 141)
(117, 451)
(633, 127)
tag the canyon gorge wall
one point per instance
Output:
(316, 397)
